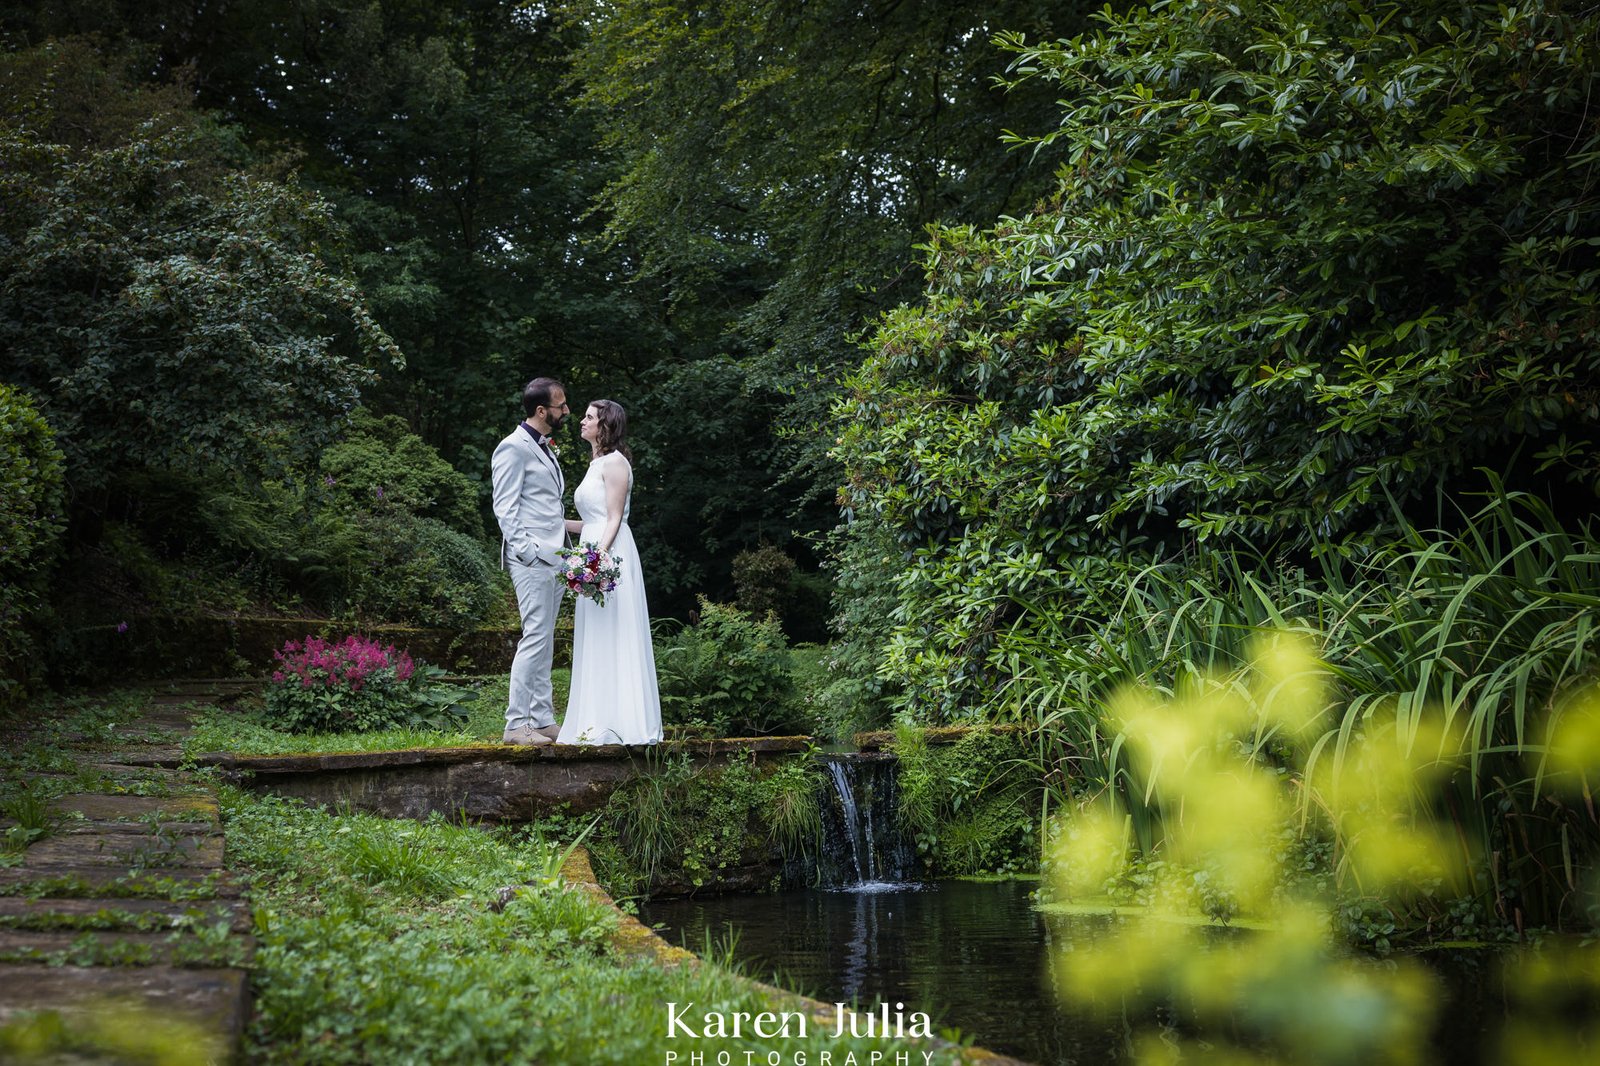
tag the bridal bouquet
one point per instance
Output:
(590, 572)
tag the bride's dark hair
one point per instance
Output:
(612, 425)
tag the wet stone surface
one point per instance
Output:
(125, 903)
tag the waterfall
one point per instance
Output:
(863, 847)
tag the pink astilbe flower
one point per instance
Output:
(318, 684)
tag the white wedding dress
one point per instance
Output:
(614, 699)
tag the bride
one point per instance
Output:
(614, 698)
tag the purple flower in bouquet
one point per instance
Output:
(589, 572)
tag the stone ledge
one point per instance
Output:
(500, 753)
(487, 782)
(152, 648)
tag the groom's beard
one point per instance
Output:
(555, 424)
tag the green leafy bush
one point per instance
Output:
(1289, 270)
(380, 466)
(685, 823)
(767, 580)
(30, 525)
(423, 571)
(1485, 629)
(971, 806)
(728, 672)
(171, 318)
(762, 579)
(384, 530)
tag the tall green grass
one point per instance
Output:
(1476, 634)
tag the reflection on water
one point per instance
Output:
(971, 955)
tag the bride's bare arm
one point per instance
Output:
(614, 472)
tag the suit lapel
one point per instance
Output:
(550, 463)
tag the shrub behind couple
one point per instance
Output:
(613, 699)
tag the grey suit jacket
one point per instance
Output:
(527, 500)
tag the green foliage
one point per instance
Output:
(223, 544)
(777, 160)
(32, 817)
(761, 580)
(683, 824)
(31, 506)
(469, 950)
(381, 467)
(971, 806)
(1290, 266)
(768, 580)
(377, 561)
(477, 717)
(166, 322)
(1378, 796)
(446, 140)
(30, 489)
(698, 507)
(1483, 631)
(421, 570)
(863, 557)
(794, 806)
(729, 673)
(818, 683)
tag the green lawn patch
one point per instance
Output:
(407, 942)
(242, 729)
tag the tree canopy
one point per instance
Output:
(1303, 260)
(163, 312)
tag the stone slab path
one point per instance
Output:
(122, 917)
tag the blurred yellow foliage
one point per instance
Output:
(1231, 765)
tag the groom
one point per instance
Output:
(527, 503)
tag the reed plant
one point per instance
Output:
(1473, 636)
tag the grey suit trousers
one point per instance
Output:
(532, 698)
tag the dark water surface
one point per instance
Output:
(971, 955)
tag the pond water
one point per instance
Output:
(970, 954)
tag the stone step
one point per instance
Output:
(89, 881)
(21, 912)
(146, 851)
(200, 1010)
(157, 756)
(101, 808)
(138, 828)
(120, 948)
